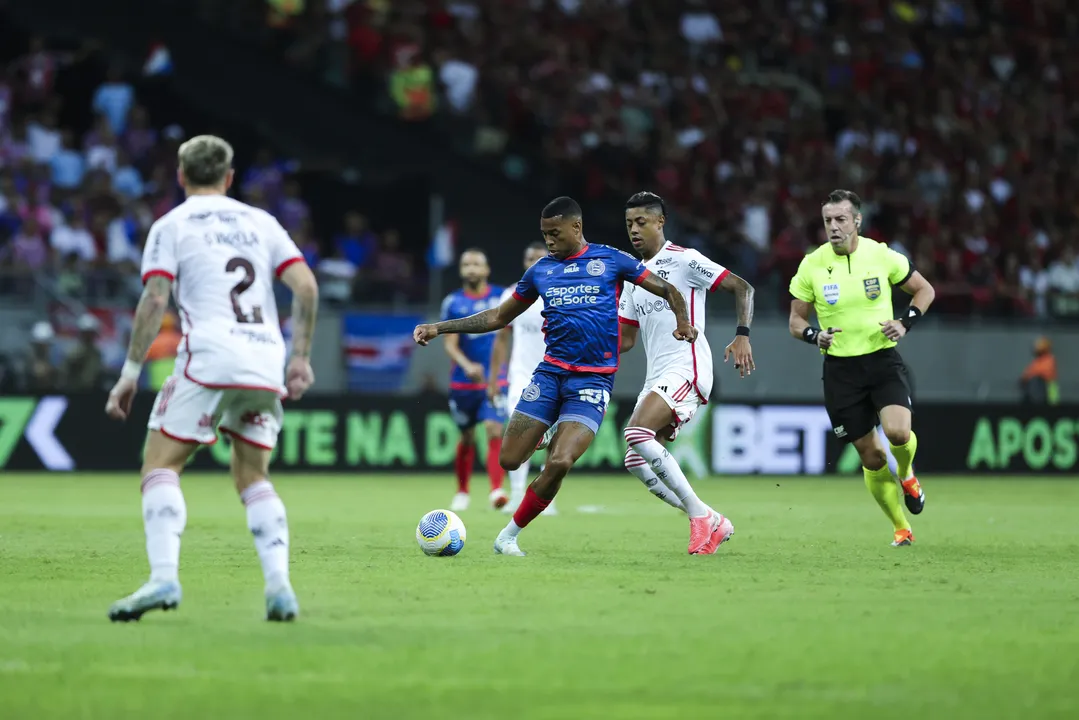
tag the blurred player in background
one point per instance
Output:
(523, 343)
(679, 377)
(218, 258)
(580, 284)
(848, 282)
(469, 402)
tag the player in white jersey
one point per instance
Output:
(524, 342)
(679, 374)
(218, 258)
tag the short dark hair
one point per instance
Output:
(536, 245)
(565, 206)
(838, 196)
(648, 201)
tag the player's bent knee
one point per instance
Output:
(874, 459)
(897, 436)
(558, 465)
(508, 463)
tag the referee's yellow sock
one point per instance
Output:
(884, 490)
(904, 456)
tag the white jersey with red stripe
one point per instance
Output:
(694, 275)
(529, 343)
(222, 257)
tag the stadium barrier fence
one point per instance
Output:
(365, 433)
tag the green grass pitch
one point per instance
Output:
(806, 613)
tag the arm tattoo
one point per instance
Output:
(304, 313)
(743, 297)
(677, 302)
(662, 288)
(148, 315)
(481, 322)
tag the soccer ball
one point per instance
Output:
(440, 533)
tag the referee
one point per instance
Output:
(848, 282)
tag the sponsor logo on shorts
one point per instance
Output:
(531, 393)
(596, 267)
(872, 288)
(252, 417)
(840, 431)
(831, 293)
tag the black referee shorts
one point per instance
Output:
(856, 388)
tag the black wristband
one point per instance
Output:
(742, 330)
(913, 315)
(810, 335)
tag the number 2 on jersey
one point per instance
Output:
(239, 263)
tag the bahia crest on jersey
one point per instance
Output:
(580, 296)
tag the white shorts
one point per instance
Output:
(680, 396)
(190, 413)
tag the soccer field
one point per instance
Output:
(807, 612)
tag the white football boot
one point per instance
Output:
(459, 503)
(507, 545)
(154, 595)
(281, 604)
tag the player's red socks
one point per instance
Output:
(530, 508)
(494, 469)
(466, 458)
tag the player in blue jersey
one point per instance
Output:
(471, 357)
(580, 285)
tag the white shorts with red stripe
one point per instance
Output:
(679, 394)
(190, 413)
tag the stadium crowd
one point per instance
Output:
(955, 119)
(80, 187)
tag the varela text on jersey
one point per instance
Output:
(222, 257)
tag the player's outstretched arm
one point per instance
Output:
(482, 322)
(658, 286)
(743, 305)
(146, 326)
(923, 293)
(301, 281)
(743, 297)
(500, 354)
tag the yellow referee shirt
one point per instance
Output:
(852, 292)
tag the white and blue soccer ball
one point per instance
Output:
(441, 533)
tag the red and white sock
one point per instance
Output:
(164, 516)
(644, 442)
(641, 470)
(529, 509)
(494, 469)
(268, 524)
(466, 458)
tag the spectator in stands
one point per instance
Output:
(292, 211)
(72, 238)
(1064, 284)
(27, 252)
(83, 368)
(114, 99)
(68, 164)
(357, 243)
(39, 374)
